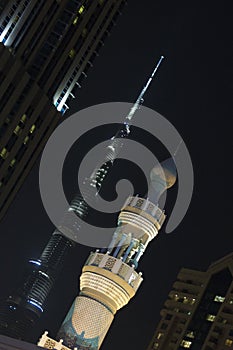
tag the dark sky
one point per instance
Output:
(192, 90)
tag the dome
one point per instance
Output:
(162, 176)
(166, 171)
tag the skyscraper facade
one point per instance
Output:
(46, 50)
(198, 313)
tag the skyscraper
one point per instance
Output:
(198, 313)
(20, 311)
(109, 277)
(46, 50)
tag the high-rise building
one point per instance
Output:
(198, 313)
(109, 277)
(46, 50)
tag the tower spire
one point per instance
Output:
(93, 183)
(124, 131)
(140, 99)
(116, 142)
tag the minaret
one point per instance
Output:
(109, 277)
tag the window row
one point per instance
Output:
(9, 15)
(26, 25)
(17, 16)
(5, 152)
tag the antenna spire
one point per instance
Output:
(140, 99)
(116, 142)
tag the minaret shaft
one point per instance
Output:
(109, 279)
(87, 324)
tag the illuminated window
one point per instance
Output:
(16, 19)
(25, 141)
(160, 335)
(219, 299)
(75, 21)
(72, 53)
(210, 317)
(175, 297)
(23, 118)
(32, 129)
(190, 334)
(17, 130)
(186, 344)
(4, 153)
(228, 342)
(12, 163)
(81, 9)
(155, 345)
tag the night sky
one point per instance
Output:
(192, 90)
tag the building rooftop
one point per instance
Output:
(7, 343)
